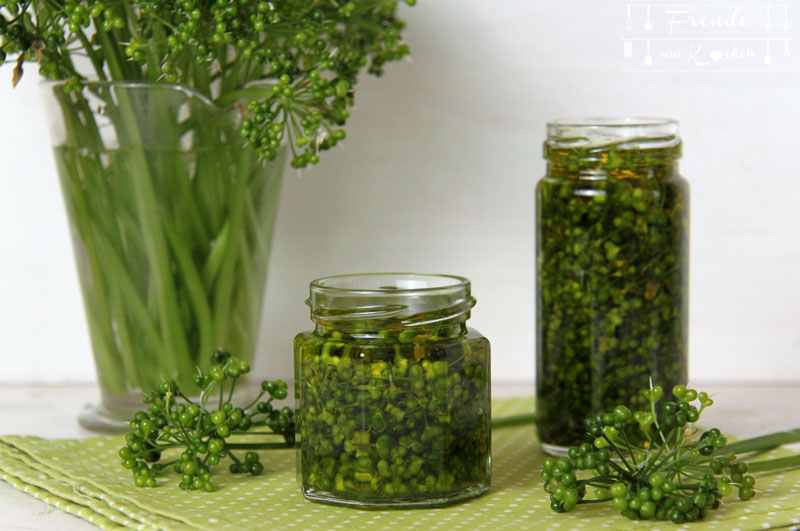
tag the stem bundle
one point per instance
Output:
(172, 220)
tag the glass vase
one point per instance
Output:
(171, 216)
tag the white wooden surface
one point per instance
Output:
(50, 411)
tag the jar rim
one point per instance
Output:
(614, 121)
(409, 299)
(372, 283)
(613, 132)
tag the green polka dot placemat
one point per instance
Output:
(83, 477)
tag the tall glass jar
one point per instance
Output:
(393, 392)
(612, 270)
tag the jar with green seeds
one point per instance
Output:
(393, 392)
(612, 237)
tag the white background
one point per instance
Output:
(437, 175)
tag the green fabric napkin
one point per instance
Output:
(83, 477)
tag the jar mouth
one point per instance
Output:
(611, 121)
(410, 299)
(619, 132)
(388, 283)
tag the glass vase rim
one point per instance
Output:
(176, 87)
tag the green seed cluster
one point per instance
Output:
(175, 422)
(611, 282)
(678, 476)
(310, 52)
(403, 415)
(265, 129)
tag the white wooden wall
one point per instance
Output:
(438, 171)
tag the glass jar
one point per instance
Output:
(612, 270)
(393, 392)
